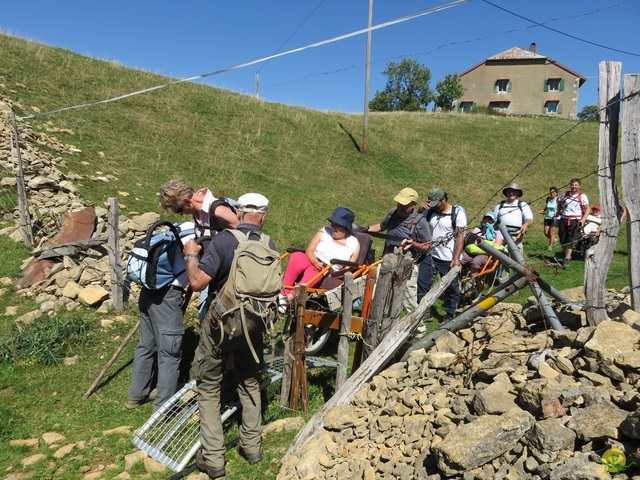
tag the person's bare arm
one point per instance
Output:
(226, 217)
(311, 250)
(198, 280)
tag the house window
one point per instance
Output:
(466, 106)
(502, 85)
(552, 107)
(554, 84)
(499, 106)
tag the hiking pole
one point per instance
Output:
(116, 354)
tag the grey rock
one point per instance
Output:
(472, 445)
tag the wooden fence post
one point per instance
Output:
(299, 390)
(387, 300)
(345, 328)
(23, 208)
(598, 258)
(113, 247)
(631, 179)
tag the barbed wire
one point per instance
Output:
(540, 153)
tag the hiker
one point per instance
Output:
(448, 223)
(179, 197)
(159, 350)
(573, 210)
(210, 214)
(404, 223)
(209, 362)
(550, 220)
(514, 213)
(333, 242)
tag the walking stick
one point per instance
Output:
(92, 388)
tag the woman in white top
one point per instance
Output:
(333, 242)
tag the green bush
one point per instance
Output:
(44, 342)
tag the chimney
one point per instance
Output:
(533, 47)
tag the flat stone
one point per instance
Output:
(52, 437)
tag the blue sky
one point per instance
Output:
(192, 37)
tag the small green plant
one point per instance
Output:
(44, 342)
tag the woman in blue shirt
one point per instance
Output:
(550, 222)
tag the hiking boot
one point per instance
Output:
(565, 263)
(130, 404)
(447, 318)
(251, 458)
(207, 469)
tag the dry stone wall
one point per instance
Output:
(77, 279)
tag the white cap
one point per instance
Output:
(253, 203)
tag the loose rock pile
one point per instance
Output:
(502, 399)
(80, 278)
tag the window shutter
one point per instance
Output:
(562, 85)
(473, 106)
(509, 86)
(546, 86)
(544, 109)
(495, 87)
(559, 108)
(460, 107)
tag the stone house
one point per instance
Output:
(521, 82)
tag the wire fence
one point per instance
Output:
(47, 208)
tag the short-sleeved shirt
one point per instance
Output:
(513, 214)
(412, 227)
(216, 261)
(572, 205)
(442, 227)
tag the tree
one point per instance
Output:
(589, 113)
(449, 89)
(407, 88)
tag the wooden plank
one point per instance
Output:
(374, 363)
(630, 153)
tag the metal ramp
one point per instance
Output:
(171, 435)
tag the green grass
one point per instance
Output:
(306, 162)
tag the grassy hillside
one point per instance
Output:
(306, 162)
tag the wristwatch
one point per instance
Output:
(190, 255)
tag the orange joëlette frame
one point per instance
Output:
(358, 270)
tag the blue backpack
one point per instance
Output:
(151, 261)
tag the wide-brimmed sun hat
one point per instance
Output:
(513, 186)
(343, 217)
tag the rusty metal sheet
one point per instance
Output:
(76, 226)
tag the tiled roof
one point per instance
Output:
(516, 53)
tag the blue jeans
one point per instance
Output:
(429, 268)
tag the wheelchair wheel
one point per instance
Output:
(317, 338)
